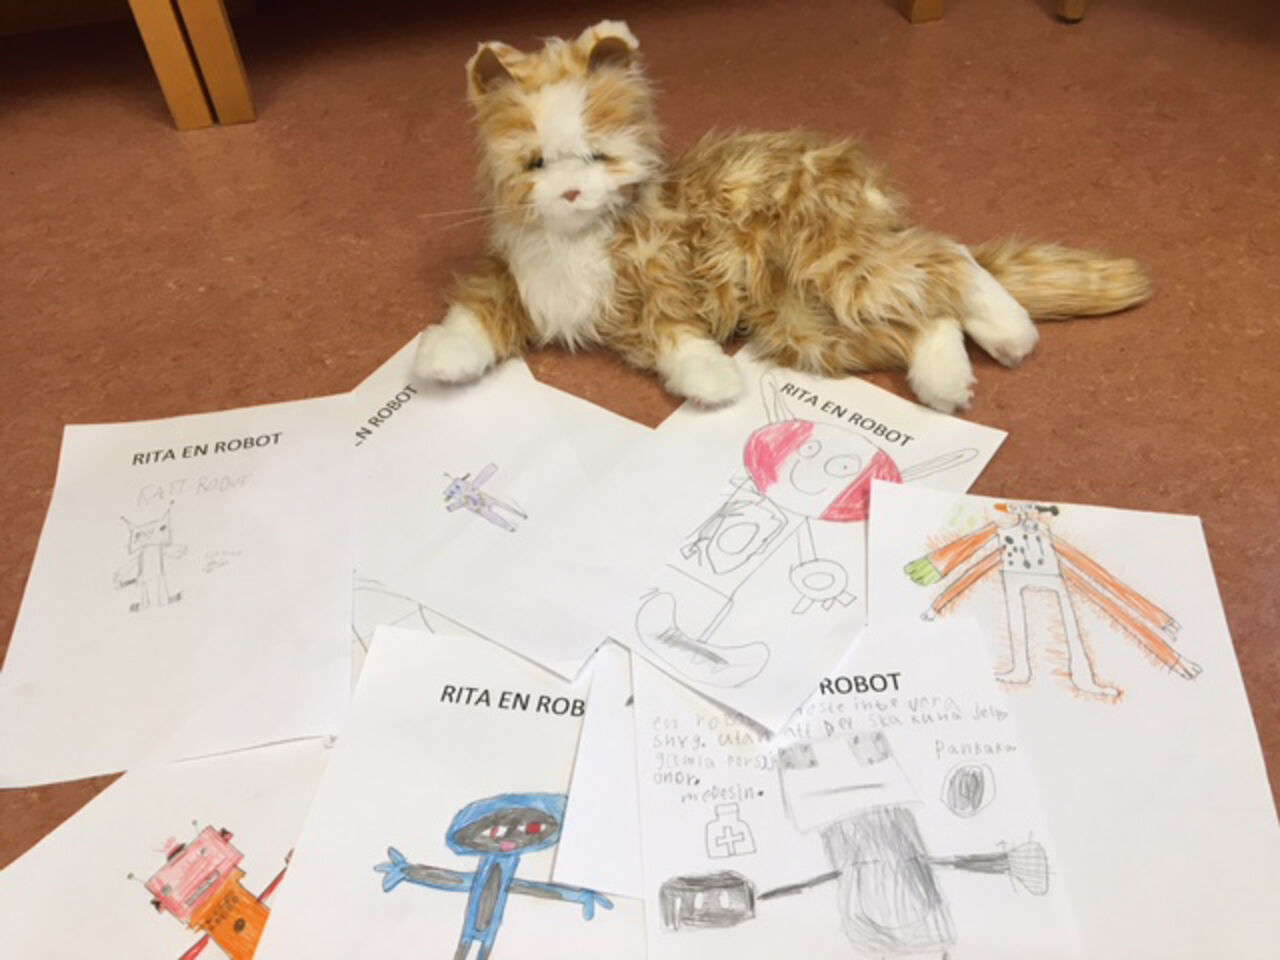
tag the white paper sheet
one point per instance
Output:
(1108, 631)
(443, 728)
(72, 895)
(600, 846)
(462, 485)
(746, 609)
(894, 816)
(178, 556)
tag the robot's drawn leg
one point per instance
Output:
(464, 948)
(1079, 665)
(695, 658)
(144, 598)
(1019, 657)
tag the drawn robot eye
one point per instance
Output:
(533, 827)
(810, 449)
(843, 466)
(497, 831)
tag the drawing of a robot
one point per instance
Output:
(498, 830)
(200, 885)
(797, 471)
(1030, 556)
(150, 544)
(851, 790)
(463, 493)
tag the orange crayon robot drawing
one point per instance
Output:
(1032, 557)
(200, 884)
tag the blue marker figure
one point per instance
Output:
(498, 830)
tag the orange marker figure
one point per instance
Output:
(200, 885)
(1031, 557)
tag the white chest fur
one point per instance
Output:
(564, 281)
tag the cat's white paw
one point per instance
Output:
(698, 369)
(1000, 325)
(457, 350)
(939, 372)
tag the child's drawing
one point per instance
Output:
(150, 543)
(373, 605)
(797, 471)
(888, 899)
(200, 885)
(727, 834)
(968, 788)
(499, 830)
(1030, 556)
(463, 493)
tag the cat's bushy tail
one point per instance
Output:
(1054, 282)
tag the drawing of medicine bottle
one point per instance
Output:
(728, 835)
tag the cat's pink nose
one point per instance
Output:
(571, 195)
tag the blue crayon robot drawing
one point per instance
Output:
(463, 493)
(499, 830)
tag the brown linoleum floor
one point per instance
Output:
(145, 273)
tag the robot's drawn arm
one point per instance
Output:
(1152, 627)
(398, 869)
(933, 566)
(558, 891)
(962, 583)
(129, 572)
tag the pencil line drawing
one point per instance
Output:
(150, 544)
(464, 493)
(373, 604)
(200, 884)
(498, 830)
(1032, 557)
(889, 898)
(968, 788)
(727, 834)
(798, 471)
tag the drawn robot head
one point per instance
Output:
(151, 532)
(1024, 514)
(511, 823)
(817, 470)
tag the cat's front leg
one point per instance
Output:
(485, 323)
(695, 366)
(456, 350)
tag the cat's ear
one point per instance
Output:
(610, 43)
(487, 69)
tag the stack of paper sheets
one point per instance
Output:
(763, 676)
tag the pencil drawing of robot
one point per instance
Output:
(498, 830)
(798, 472)
(890, 900)
(150, 545)
(200, 885)
(463, 493)
(1030, 556)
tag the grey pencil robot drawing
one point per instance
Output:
(150, 545)
(464, 493)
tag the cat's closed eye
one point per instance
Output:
(599, 157)
(534, 163)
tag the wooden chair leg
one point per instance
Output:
(179, 80)
(918, 11)
(1072, 10)
(216, 52)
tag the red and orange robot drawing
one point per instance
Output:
(200, 885)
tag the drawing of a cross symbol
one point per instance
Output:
(729, 839)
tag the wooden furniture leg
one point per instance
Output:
(918, 11)
(216, 52)
(1072, 10)
(166, 46)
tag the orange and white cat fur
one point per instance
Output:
(792, 241)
